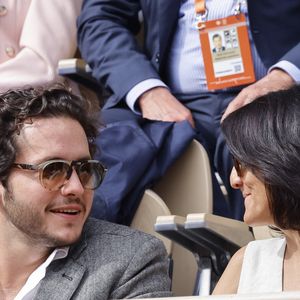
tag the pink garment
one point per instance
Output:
(34, 36)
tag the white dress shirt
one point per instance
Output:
(30, 288)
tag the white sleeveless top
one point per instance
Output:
(262, 266)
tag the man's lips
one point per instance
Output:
(68, 209)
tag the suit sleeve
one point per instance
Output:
(146, 274)
(293, 56)
(48, 35)
(106, 40)
(290, 63)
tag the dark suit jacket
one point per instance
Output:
(106, 42)
(109, 262)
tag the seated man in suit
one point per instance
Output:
(53, 250)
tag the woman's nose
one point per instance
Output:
(235, 180)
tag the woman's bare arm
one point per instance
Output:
(229, 281)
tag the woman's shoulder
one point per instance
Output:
(254, 251)
(229, 281)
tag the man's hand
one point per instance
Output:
(159, 104)
(275, 80)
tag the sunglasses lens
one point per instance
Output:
(91, 174)
(236, 165)
(54, 175)
(239, 167)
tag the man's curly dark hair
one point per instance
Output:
(19, 106)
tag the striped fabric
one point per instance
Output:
(185, 67)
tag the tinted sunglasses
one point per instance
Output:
(239, 167)
(53, 174)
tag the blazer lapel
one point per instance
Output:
(168, 17)
(61, 284)
(63, 276)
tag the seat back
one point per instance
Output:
(144, 219)
(186, 188)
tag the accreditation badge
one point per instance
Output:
(226, 52)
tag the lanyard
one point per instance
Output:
(201, 12)
(238, 7)
(200, 7)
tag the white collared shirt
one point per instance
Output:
(30, 288)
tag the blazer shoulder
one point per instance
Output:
(102, 233)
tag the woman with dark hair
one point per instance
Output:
(264, 139)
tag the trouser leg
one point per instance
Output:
(207, 111)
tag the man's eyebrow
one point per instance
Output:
(85, 158)
(47, 158)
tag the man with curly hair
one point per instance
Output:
(50, 248)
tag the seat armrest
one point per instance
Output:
(172, 227)
(234, 231)
(206, 235)
(210, 238)
(79, 71)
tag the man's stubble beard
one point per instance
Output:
(29, 222)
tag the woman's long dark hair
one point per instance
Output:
(265, 137)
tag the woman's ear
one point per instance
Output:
(2, 191)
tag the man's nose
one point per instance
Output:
(73, 185)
